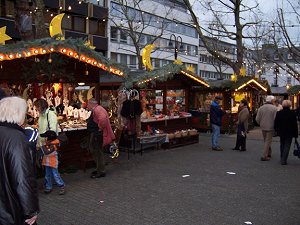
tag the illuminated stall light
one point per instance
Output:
(251, 81)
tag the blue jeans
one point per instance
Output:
(215, 135)
(48, 178)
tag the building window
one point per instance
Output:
(290, 56)
(123, 59)
(276, 57)
(289, 80)
(96, 27)
(114, 34)
(123, 37)
(66, 22)
(132, 63)
(114, 56)
(79, 24)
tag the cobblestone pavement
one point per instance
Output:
(152, 189)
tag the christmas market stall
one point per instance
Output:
(165, 94)
(293, 94)
(232, 93)
(66, 73)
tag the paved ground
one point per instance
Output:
(151, 189)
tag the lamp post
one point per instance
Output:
(177, 40)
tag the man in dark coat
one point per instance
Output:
(286, 127)
(216, 114)
(18, 186)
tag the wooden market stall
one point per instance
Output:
(232, 92)
(165, 95)
(66, 73)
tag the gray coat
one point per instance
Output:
(243, 117)
(265, 116)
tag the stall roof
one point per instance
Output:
(73, 48)
(279, 90)
(142, 78)
(239, 84)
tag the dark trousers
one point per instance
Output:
(96, 149)
(285, 145)
(240, 142)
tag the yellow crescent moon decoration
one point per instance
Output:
(146, 56)
(55, 26)
(89, 94)
(3, 36)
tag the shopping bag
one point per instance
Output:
(296, 148)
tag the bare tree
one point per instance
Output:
(133, 22)
(233, 30)
(284, 40)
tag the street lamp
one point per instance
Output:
(178, 40)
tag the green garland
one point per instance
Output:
(77, 45)
(162, 74)
(294, 90)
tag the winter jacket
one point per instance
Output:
(47, 121)
(100, 116)
(243, 117)
(286, 123)
(18, 186)
(265, 116)
(216, 114)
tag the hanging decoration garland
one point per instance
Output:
(73, 48)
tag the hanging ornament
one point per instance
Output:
(190, 68)
(146, 56)
(55, 27)
(88, 44)
(243, 71)
(234, 77)
(3, 36)
(178, 62)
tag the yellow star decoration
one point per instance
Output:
(178, 62)
(3, 36)
(243, 71)
(191, 69)
(234, 77)
(88, 44)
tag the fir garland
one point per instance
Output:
(294, 90)
(77, 45)
(157, 75)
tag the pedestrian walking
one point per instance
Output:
(286, 127)
(48, 122)
(265, 118)
(216, 114)
(242, 126)
(100, 135)
(277, 104)
(18, 186)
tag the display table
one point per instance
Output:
(156, 139)
(168, 124)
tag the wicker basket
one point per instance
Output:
(193, 132)
(171, 136)
(184, 133)
(178, 135)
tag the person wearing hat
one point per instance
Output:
(50, 161)
(265, 118)
(216, 114)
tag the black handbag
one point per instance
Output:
(296, 148)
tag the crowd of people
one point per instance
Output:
(18, 153)
(273, 118)
(18, 146)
